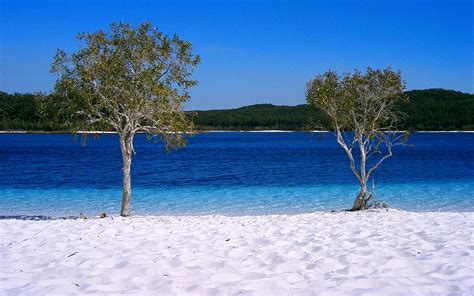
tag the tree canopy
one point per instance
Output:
(127, 80)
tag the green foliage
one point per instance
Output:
(127, 80)
(438, 109)
(430, 109)
(360, 102)
(257, 117)
(17, 110)
(21, 112)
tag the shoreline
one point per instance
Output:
(217, 131)
(40, 217)
(343, 253)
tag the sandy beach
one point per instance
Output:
(367, 253)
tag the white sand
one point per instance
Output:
(371, 253)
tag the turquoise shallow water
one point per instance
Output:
(228, 173)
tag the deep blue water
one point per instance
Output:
(227, 173)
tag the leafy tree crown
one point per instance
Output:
(131, 79)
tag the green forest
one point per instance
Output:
(430, 109)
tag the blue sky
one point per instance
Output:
(256, 51)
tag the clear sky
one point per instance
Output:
(256, 51)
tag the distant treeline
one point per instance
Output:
(431, 109)
(19, 112)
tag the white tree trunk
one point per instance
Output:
(126, 147)
(359, 201)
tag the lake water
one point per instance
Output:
(228, 173)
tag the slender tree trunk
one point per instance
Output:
(126, 147)
(359, 201)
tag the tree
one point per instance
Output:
(128, 80)
(362, 113)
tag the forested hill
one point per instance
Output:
(430, 109)
(259, 117)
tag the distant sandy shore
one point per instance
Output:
(344, 253)
(213, 131)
